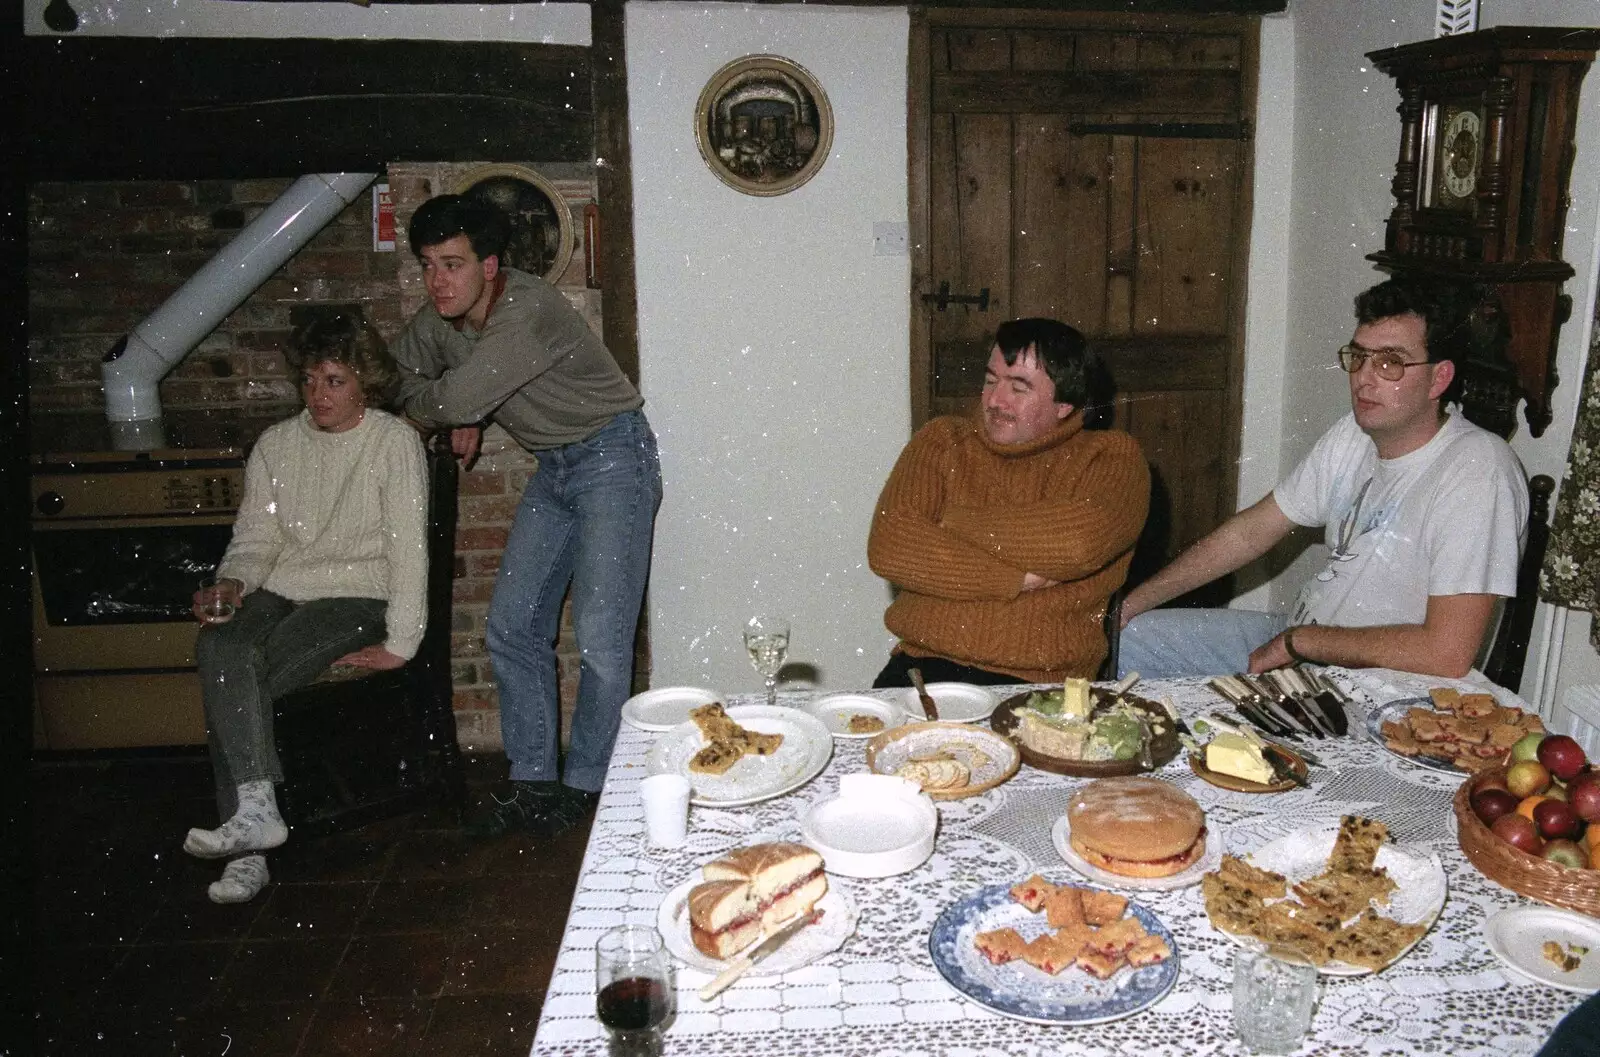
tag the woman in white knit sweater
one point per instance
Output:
(328, 564)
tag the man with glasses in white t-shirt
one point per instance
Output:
(1425, 515)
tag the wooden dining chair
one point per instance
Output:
(358, 745)
(1510, 651)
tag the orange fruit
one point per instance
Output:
(1594, 856)
(1525, 808)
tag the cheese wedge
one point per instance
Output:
(1076, 701)
(1233, 755)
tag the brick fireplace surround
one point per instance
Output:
(103, 255)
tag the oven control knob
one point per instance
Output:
(50, 502)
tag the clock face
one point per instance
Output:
(1459, 153)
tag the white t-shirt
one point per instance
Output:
(1447, 519)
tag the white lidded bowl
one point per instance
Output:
(878, 826)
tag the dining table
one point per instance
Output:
(881, 993)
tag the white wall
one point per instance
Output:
(531, 23)
(773, 344)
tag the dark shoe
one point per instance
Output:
(512, 808)
(564, 812)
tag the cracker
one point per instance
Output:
(1357, 844)
(1033, 892)
(1102, 908)
(1000, 945)
(1064, 907)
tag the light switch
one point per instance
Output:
(890, 238)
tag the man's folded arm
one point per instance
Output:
(1070, 538)
(1444, 644)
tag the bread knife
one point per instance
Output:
(1330, 697)
(742, 964)
(1283, 689)
(929, 708)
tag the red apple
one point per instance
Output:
(1567, 853)
(1490, 804)
(1584, 796)
(1556, 820)
(1527, 778)
(1519, 832)
(1562, 756)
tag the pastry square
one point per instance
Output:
(1065, 907)
(1000, 945)
(1033, 892)
(1102, 908)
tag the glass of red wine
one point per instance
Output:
(634, 992)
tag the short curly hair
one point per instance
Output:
(345, 336)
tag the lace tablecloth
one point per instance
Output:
(881, 995)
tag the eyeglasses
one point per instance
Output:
(1390, 364)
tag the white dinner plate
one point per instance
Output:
(1018, 990)
(1061, 836)
(806, 749)
(835, 710)
(665, 708)
(1517, 937)
(825, 936)
(1420, 884)
(957, 702)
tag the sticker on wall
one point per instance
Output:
(542, 234)
(764, 125)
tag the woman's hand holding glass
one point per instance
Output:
(217, 599)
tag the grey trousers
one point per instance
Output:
(271, 646)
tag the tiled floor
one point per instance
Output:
(403, 938)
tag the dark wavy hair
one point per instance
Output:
(1079, 375)
(446, 216)
(1446, 307)
(345, 337)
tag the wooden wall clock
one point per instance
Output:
(1480, 188)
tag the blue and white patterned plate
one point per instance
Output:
(1396, 710)
(1017, 989)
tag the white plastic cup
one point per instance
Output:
(666, 809)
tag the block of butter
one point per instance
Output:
(1231, 754)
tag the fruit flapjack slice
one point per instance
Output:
(1373, 941)
(1356, 847)
(1262, 882)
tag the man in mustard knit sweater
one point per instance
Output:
(1007, 531)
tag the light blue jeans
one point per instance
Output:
(586, 518)
(1172, 643)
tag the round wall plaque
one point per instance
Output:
(764, 125)
(542, 235)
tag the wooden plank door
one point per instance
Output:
(1095, 169)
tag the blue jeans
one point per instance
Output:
(271, 646)
(1171, 643)
(586, 518)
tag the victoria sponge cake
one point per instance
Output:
(1137, 827)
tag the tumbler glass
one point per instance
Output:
(1274, 993)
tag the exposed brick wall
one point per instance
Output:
(102, 256)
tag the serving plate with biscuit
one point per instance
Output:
(1449, 730)
(948, 761)
(742, 755)
(1044, 950)
(855, 716)
(1341, 895)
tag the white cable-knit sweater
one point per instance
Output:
(338, 515)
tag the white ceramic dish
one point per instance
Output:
(1417, 899)
(834, 712)
(827, 935)
(806, 749)
(664, 708)
(878, 826)
(1216, 844)
(957, 702)
(1517, 937)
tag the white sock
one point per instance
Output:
(242, 879)
(255, 826)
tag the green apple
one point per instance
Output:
(1527, 747)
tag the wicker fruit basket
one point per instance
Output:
(1526, 874)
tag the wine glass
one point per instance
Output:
(767, 639)
(633, 982)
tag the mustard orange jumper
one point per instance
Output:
(961, 520)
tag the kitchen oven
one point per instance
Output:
(120, 542)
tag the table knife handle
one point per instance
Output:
(725, 979)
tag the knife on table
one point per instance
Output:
(741, 965)
(1279, 688)
(1263, 700)
(1330, 697)
(929, 709)
(1276, 755)
(1296, 683)
(1232, 691)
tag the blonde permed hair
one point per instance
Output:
(346, 337)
